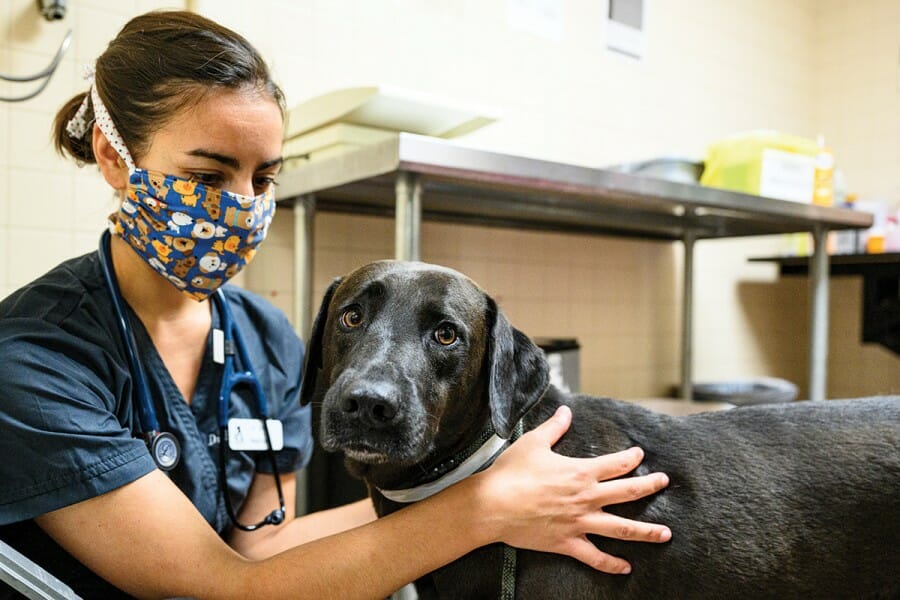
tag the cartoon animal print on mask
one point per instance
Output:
(187, 190)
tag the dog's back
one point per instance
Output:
(799, 500)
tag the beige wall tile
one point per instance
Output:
(34, 252)
(43, 201)
(7, 199)
(93, 200)
(59, 88)
(4, 128)
(26, 30)
(4, 259)
(29, 141)
(95, 27)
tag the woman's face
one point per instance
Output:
(231, 140)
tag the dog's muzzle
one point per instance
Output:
(373, 421)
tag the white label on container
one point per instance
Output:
(786, 176)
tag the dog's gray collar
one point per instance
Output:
(478, 459)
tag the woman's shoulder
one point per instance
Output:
(255, 307)
(58, 293)
(262, 317)
(66, 310)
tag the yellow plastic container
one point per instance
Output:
(823, 185)
(763, 163)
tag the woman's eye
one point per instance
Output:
(445, 334)
(351, 318)
(264, 181)
(210, 179)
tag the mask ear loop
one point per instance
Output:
(106, 125)
(78, 125)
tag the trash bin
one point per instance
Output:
(563, 356)
(743, 392)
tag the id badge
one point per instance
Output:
(248, 434)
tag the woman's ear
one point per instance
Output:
(111, 164)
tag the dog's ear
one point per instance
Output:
(518, 372)
(313, 361)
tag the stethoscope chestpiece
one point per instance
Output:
(165, 449)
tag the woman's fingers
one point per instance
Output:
(626, 489)
(550, 431)
(608, 466)
(582, 549)
(620, 528)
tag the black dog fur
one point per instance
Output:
(798, 500)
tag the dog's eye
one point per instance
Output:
(445, 334)
(351, 318)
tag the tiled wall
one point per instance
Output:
(712, 68)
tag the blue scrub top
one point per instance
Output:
(67, 416)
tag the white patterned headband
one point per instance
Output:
(78, 124)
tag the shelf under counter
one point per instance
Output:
(881, 289)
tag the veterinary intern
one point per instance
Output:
(185, 124)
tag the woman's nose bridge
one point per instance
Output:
(242, 183)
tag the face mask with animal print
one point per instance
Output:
(196, 236)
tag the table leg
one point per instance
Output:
(304, 211)
(687, 319)
(818, 322)
(408, 217)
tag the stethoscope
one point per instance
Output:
(164, 446)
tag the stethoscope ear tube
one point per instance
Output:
(235, 344)
(277, 516)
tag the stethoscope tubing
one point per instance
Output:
(230, 377)
(147, 414)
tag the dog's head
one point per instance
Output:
(410, 361)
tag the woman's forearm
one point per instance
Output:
(374, 560)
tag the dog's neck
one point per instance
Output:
(476, 456)
(461, 462)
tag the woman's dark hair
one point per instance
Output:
(160, 63)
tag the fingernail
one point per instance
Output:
(638, 452)
(663, 479)
(665, 535)
(625, 570)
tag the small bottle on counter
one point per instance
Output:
(847, 241)
(892, 234)
(875, 241)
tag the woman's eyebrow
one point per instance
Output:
(225, 160)
(270, 163)
(231, 161)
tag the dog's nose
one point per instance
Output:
(375, 406)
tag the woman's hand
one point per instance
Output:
(548, 502)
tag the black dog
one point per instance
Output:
(417, 367)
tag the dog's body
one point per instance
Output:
(797, 500)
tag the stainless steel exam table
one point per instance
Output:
(415, 177)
